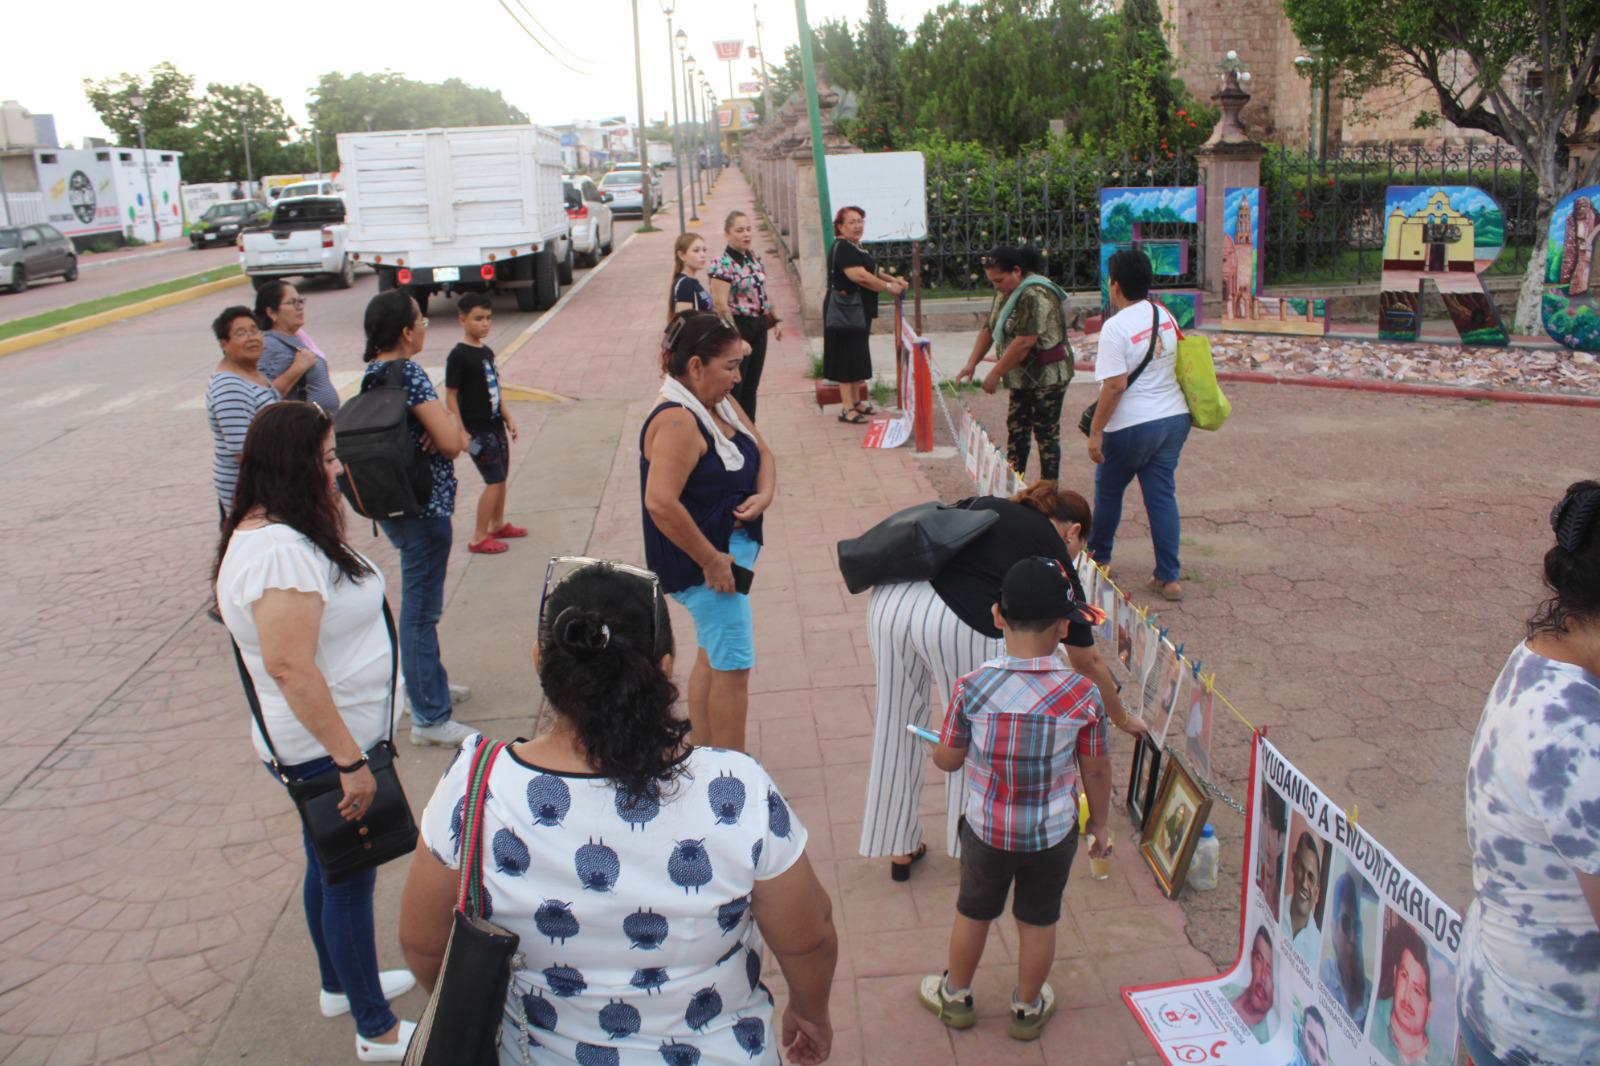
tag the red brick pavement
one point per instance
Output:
(812, 693)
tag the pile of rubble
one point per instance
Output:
(1537, 369)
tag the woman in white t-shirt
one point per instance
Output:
(642, 875)
(306, 610)
(1138, 429)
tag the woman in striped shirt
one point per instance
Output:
(237, 391)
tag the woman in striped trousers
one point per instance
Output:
(936, 631)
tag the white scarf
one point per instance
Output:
(728, 451)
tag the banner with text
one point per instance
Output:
(1345, 957)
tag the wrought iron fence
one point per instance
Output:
(1049, 201)
(1325, 219)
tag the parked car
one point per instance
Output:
(589, 215)
(627, 191)
(223, 221)
(325, 187)
(28, 253)
(306, 239)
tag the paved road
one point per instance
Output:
(109, 277)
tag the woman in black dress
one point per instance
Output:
(846, 358)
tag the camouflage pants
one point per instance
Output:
(1035, 413)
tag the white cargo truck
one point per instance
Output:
(474, 209)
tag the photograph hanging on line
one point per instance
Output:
(1197, 729)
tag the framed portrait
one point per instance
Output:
(1173, 827)
(1142, 779)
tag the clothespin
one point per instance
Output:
(1210, 682)
(1179, 652)
(1196, 668)
(1162, 631)
(1354, 813)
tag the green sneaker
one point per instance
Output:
(1027, 1022)
(955, 1013)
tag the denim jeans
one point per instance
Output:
(339, 917)
(1148, 451)
(424, 545)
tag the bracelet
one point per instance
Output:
(353, 767)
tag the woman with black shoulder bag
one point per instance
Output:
(316, 651)
(854, 282)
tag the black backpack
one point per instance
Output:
(385, 474)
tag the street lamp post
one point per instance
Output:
(244, 130)
(681, 40)
(690, 93)
(714, 129)
(647, 209)
(136, 98)
(677, 139)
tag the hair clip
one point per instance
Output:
(1571, 518)
(675, 329)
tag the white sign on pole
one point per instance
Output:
(891, 187)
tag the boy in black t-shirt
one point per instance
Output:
(472, 392)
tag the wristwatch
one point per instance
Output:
(353, 767)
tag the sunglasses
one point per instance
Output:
(563, 567)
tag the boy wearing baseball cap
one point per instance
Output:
(1024, 729)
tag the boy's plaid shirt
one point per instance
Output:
(1026, 722)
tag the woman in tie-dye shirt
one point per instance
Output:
(1529, 987)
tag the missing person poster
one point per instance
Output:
(1346, 959)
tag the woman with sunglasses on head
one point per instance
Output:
(1528, 990)
(739, 291)
(846, 357)
(688, 293)
(396, 331)
(297, 367)
(641, 874)
(306, 611)
(707, 477)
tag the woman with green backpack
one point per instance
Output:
(1027, 329)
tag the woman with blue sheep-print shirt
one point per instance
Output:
(643, 875)
(1528, 987)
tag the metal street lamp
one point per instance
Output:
(647, 209)
(698, 175)
(136, 98)
(682, 41)
(677, 140)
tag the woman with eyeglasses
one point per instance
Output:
(707, 477)
(396, 331)
(291, 359)
(237, 390)
(306, 611)
(846, 356)
(641, 874)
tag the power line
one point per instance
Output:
(558, 43)
(542, 46)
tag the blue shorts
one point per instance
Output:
(722, 622)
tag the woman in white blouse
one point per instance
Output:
(306, 610)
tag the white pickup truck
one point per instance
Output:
(306, 238)
(471, 209)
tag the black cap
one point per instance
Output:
(1038, 589)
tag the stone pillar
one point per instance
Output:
(1228, 159)
(806, 239)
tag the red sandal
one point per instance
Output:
(488, 546)
(509, 532)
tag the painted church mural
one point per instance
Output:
(1449, 235)
(1245, 307)
(1571, 304)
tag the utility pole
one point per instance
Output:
(814, 115)
(647, 213)
(677, 139)
(761, 59)
(137, 100)
(244, 130)
(316, 139)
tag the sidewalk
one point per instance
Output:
(812, 696)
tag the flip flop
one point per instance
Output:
(901, 871)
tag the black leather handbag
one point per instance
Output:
(461, 1024)
(386, 831)
(1086, 420)
(844, 310)
(910, 545)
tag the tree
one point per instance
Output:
(833, 48)
(1145, 105)
(222, 121)
(168, 110)
(388, 101)
(1525, 71)
(881, 112)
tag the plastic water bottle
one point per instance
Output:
(1207, 858)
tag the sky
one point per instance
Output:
(475, 40)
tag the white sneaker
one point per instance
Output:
(394, 983)
(447, 734)
(459, 694)
(368, 1051)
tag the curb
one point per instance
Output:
(106, 318)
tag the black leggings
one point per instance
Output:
(754, 331)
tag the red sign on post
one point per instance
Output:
(728, 49)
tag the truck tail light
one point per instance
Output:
(238, 242)
(327, 237)
(581, 211)
(486, 272)
(403, 277)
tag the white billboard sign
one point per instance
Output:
(891, 187)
